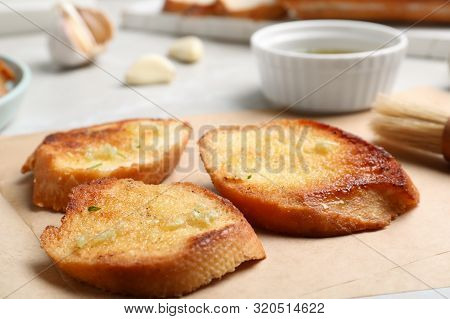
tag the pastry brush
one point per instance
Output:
(410, 124)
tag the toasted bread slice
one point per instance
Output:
(251, 9)
(141, 149)
(432, 11)
(149, 240)
(190, 7)
(306, 178)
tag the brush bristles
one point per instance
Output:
(409, 124)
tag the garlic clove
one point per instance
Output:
(76, 29)
(79, 35)
(98, 24)
(150, 69)
(187, 49)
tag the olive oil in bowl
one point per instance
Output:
(329, 51)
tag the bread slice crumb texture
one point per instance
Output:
(282, 157)
(177, 230)
(142, 149)
(106, 147)
(307, 178)
(140, 221)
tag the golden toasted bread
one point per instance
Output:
(251, 9)
(190, 7)
(141, 149)
(149, 240)
(433, 11)
(306, 178)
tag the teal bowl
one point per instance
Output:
(9, 103)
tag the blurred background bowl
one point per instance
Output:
(9, 103)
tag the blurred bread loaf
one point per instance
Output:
(372, 10)
(251, 9)
(190, 7)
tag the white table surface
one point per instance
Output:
(225, 80)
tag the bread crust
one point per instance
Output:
(52, 185)
(204, 257)
(387, 191)
(272, 11)
(187, 8)
(374, 10)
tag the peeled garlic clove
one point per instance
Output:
(79, 35)
(150, 69)
(187, 49)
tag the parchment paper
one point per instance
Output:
(413, 253)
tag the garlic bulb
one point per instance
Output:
(80, 34)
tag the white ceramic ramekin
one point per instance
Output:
(327, 83)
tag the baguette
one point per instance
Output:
(66, 159)
(250, 9)
(372, 10)
(149, 240)
(305, 178)
(190, 7)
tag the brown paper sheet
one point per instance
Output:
(413, 253)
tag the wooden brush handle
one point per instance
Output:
(446, 141)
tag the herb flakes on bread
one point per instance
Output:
(144, 240)
(141, 149)
(306, 178)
